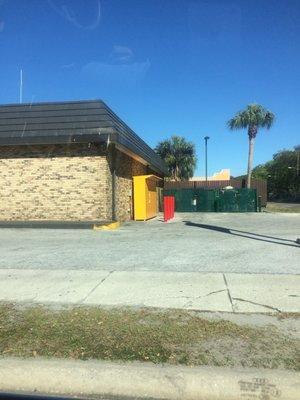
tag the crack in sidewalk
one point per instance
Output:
(228, 292)
(197, 297)
(95, 287)
(191, 299)
(216, 291)
(257, 304)
(232, 299)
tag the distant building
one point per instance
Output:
(223, 175)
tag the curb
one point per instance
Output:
(107, 227)
(145, 380)
(50, 224)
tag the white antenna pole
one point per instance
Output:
(21, 85)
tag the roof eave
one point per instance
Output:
(101, 135)
(95, 136)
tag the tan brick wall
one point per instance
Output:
(54, 182)
(126, 168)
(64, 182)
(123, 186)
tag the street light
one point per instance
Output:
(206, 139)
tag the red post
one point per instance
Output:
(169, 206)
(165, 208)
(173, 206)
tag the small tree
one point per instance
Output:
(179, 156)
(282, 175)
(284, 183)
(261, 171)
(252, 118)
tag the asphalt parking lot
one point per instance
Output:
(203, 242)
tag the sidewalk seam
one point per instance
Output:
(95, 287)
(228, 292)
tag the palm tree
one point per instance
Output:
(179, 156)
(253, 117)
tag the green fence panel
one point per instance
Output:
(217, 200)
(227, 201)
(237, 200)
(247, 200)
(184, 199)
(206, 200)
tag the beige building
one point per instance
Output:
(69, 161)
(223, 175)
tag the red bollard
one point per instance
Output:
(169, 206)
(165, 208)
(173, 206)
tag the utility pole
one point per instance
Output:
(206, 139)
(21, 85)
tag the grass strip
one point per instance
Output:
(282, 209)
(176, 337)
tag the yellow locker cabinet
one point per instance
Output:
(145, 196)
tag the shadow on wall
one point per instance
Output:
(244, 234)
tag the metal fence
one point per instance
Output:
(259, 184)
(213, 200)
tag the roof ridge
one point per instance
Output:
(53, 102)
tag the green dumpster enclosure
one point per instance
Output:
(214, 200)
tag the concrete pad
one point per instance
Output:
(263, 292)
(163, 289)
(192, 242)
(43, 286)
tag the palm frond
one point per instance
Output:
(254, 115)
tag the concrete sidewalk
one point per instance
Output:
(249, 293)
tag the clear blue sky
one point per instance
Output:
(164, 66)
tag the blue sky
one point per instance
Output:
(165, 67)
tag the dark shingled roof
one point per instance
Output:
(71, 122)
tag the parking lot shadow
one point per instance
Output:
(244, 234)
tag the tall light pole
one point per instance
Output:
(297, 149)
(206, 139)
